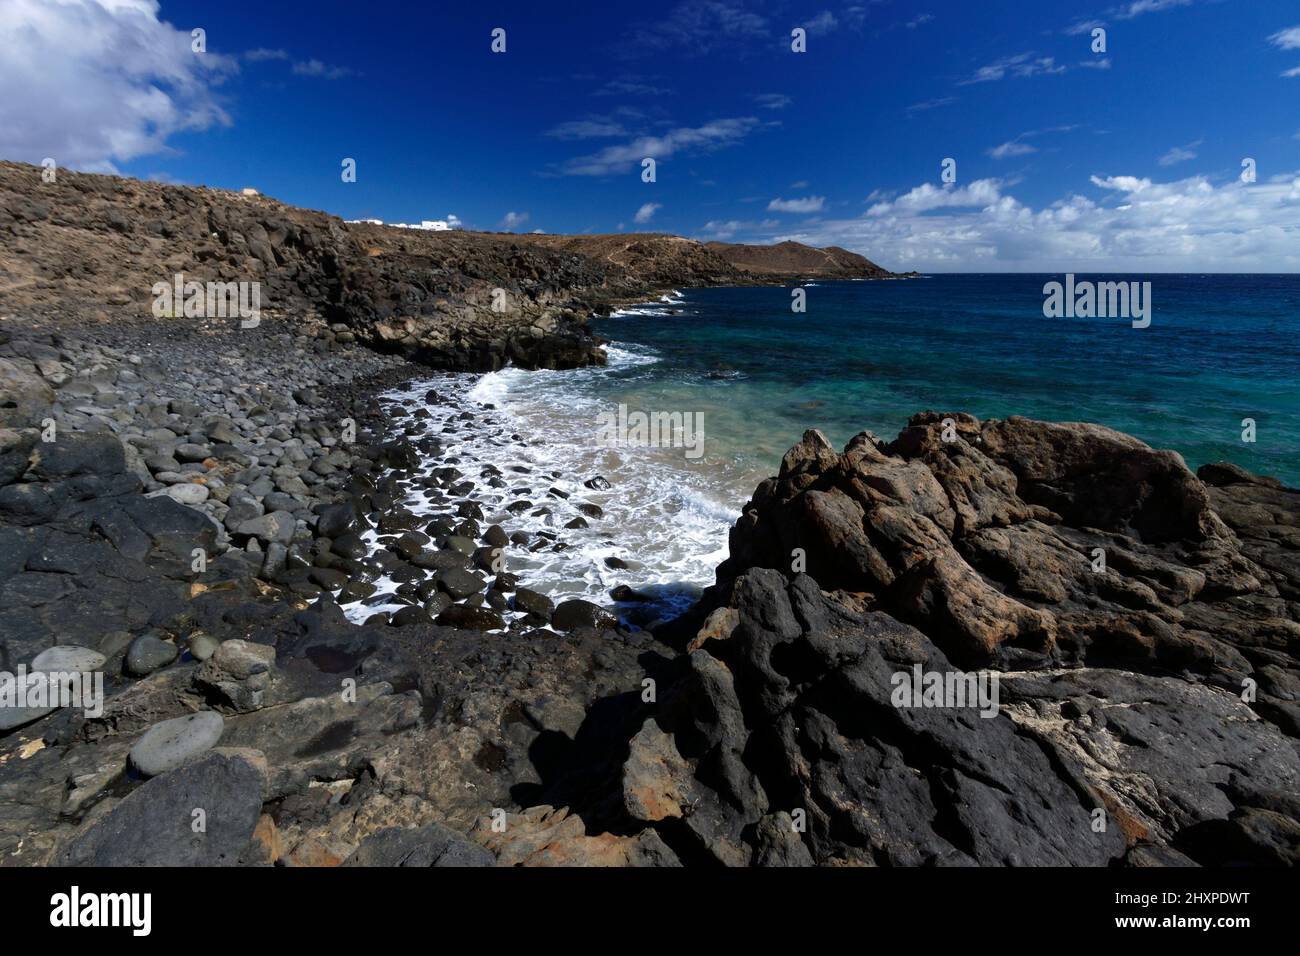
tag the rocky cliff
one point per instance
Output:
(187, 506)
(1142, 623)
(89, 244)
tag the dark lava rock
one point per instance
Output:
(529, 601)
(408, 616)
(471, 618)
(460, 583)
(152, 826)
(336, 520)
(577, 613)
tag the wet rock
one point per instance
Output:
(471, 618)
(462, 544)
(336, 520)
(459, 583)
(529, 601)
(408, 616)
(570, 615)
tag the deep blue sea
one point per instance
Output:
(867, 355)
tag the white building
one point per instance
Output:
(428, 225)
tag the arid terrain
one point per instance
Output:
(186, 508)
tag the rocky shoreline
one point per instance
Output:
(315, 652)
(758, 729)
(151, 466)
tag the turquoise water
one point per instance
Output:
(869, 354)
(866, 355)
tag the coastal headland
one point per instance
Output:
(193, 506)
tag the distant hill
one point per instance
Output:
(654, 260)
(659, 259)
(791, 258)
(97, 244)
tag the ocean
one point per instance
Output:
(752, 376)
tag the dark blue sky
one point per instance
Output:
(839, 144)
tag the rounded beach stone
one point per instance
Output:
(203, 646)
(186, 493)
(148, 653)
(168, 744)
(67, 657)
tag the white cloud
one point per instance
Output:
(1083, 26)
(323, 70)
(821, 24)
(1138, 7)
(1011, 148)
(923, 18)
(91, 83)
(927, 197)
(633, 85)
(805, 205)
(1021, 65)
(1179, 154)
(647, 212)
(722, 230)
(773, 101)
(1135, 225)
(1288, 39)
(620, 158)
(931, 104)
(513, 220)
(697, 27)
(1124, 184)
(594, 127)
(1293, 72)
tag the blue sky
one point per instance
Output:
(1067, 159)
